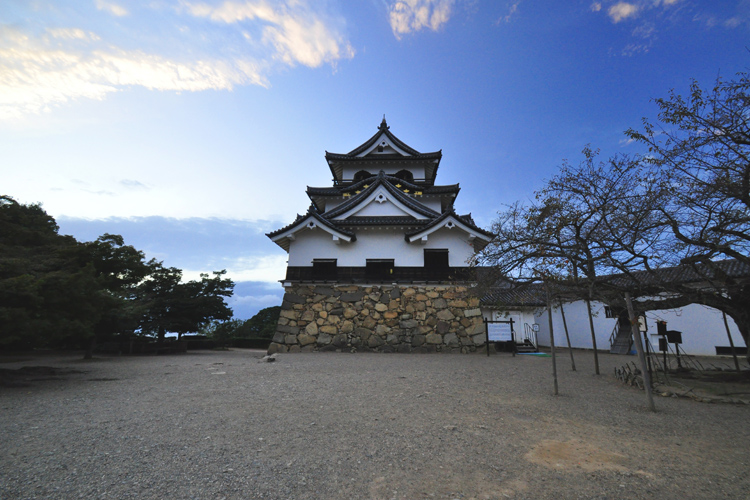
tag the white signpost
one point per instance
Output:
(499, 331)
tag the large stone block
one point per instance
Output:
(294, 298)
(352, 296)
(278, 337)
(417, 340)
(451, 339)
(469, 313)
(445, 315)
(479, 339)
(409, 323)
(324, 290)
(275, 347)
(339, 340)
(434, 338)
(290, 339)
(375, 341)
(311, 329)
(329, 329)
(294, 330)
(369, 322)
(324, 339)
(439, 303)
(289, 314)
(305, 339)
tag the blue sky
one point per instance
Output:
(193, 127)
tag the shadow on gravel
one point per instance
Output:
(23, 377)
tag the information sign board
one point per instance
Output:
(499, 332)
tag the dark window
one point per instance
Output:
(380, 269)
(362, 175)
(436, 259)
(405, 175)
(436, 264)
(324, 269)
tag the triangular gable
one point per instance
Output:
(383, 144)
(380, 203)
(450, 221)
(310, 222)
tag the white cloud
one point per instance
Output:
(407, 16)
(267, 268)
(72, 34)
(112, 8)
(35, 74)
(596, 7)
(622, 10)
(63, 64)
(298, 34)
(512, 10)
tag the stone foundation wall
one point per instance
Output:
(392, 318)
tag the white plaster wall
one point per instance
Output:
(702, 327)
(432, 202)
(576, 317)
(312, 244)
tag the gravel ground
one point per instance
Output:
(212, 425)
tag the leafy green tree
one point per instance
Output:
(174, 306)
(119, 270)
(263, 324)
(49, 293)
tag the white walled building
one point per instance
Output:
(702, 327)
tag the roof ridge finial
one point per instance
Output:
(383, 124)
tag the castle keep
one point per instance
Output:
(380, 261)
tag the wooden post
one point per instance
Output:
(567, 337)
(551, 336)
(731, 342)
(639, 348)
(487, 336)
(593, 335)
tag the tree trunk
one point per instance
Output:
(593, 336)
(89, 354)
(567, 337)
(551, 338)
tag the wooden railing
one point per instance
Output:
(396, 275)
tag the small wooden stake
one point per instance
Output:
(593, 335)
(551, 337)
(731, 342)
(567, 337)
(639, 348)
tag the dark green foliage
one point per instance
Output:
(58, 292)
(174, 306)
(49, 293)
(262, 325)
